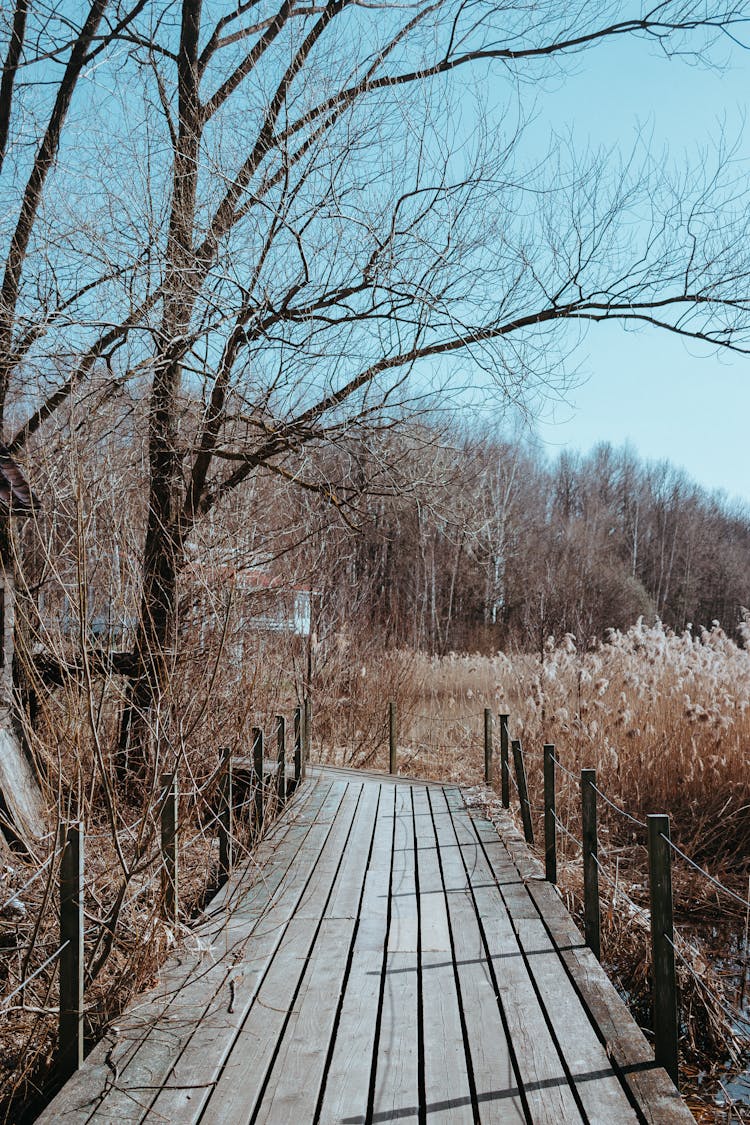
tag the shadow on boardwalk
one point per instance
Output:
(383, 957)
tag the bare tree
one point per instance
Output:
(278, 218)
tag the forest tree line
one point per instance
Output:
(413, 537)
(487, 543)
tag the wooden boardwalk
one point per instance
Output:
(385, 957)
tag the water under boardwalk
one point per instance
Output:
(384, 957)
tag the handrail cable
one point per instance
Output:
(716, 882)
(36, 973)
(560, 766)
(28, 883)
(734, 1014)
(567, 831)
(622, 812)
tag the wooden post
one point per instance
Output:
(523, 791)
(297, 745)
(487, 746)
(70, 1023)
(666, 1022)
(226, 818)
(280, 759)
(258, 779)
(591, 911)
(504, 764)
(169, 826)
(307, 741)
(392, 762)
(550, 828)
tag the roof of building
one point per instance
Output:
(16, 496)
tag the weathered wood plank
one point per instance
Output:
(199, 1063)
(535, 1064)
(596, 1083)
(254, 1047)
(495, 1076)
(397, 1063)
(348, 1079)
(381, 945)
(651, 1089)
(295, 1081)
(448, 1094)
(185, 984)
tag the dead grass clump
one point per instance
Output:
(214, 699)
(665, 721)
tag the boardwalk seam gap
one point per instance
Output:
(381, 998)
(311, 947)
(174, 994)
(421, 1089)
(248, 937)
(617, 1069)
(456, 976)
(525, 958)
(347, 970)
(493, 975)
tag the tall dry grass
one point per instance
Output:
(663, 718)
(213, 701)
(665, 721)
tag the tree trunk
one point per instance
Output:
(163, 549)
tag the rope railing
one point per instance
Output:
(32, 976)
(566, 832)
(658, 919)
(263, 796)
(621, 811)
(743, 902)
(31, 881)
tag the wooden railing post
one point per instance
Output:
(169, 827)
(280, 759)
(550, 827)
(504, 763)
(297, 745)
(591, 909)
(487, 746)
(226, 818)
(258, 779)
(523, 791)
(392, 760)
(70, 1022)
(307, 740)
(666, 1020)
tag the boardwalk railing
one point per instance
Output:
(661, 917)
(512, 775)
(244, 786)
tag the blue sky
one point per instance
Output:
(660, 394)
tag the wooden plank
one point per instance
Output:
(448, 1093)
(254, 1047)
(385, 778)
(294, 1084)
(496, 1080)
(296, 1079)
(397, 1060)
(649, 1085)
(175, 1057)
(534, 1062)
(198, 1064)
(348, 1078)
(440, 937)
(104, 1068)
(596, 1083)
